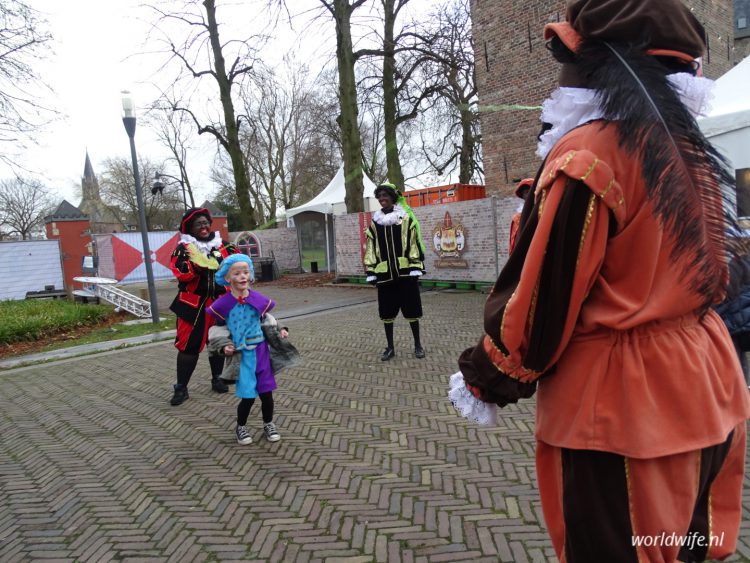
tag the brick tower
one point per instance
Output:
(515, 71)
(73, 228)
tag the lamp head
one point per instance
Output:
(157, 187)
(128, 106)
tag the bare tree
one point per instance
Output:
(265, 138)
(23, 40)
(450, 56)
(290, 158)
(342, 10)
(369, 116)
(225, 198)
(173, 129)
(222, 176)
(402, 88)
(351, 142)
(391, 9)
(371, 125)
(24, 202)
(118, 191)
(203, 43)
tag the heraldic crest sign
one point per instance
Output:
(449, 242)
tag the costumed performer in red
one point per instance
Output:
(194, 263)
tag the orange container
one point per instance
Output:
(444, 194)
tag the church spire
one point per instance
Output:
(103, 219)
(88, 170)
(89, 183)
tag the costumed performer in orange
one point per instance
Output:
(604, 307)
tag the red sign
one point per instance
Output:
(364, 221)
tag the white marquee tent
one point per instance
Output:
(330, 199)
(727, 125)
(328, 202)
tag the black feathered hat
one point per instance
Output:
(663, 27)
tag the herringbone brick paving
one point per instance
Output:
(374, 464)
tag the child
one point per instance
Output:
(242, 310)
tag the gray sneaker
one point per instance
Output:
(242, 435)
(272, 435)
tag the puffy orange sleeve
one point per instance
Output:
(532, 311)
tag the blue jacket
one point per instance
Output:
(736, 313)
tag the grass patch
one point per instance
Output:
(36, 319)
(314, 255)
(43, 326)
(113, 332)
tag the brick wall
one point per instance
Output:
(514, 68)
(486, 238)
(741, 49)
(717, 16)
(281, 243)
(347, 234)
(75, 243)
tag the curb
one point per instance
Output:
(74, 351)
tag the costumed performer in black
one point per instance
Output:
(194, 263)
(394, 260)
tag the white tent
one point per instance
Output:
(329, 202)
(334, 193)
(727, 125)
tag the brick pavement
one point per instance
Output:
(290, 299)
(373, 466)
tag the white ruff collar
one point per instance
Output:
(205, 246)
(387, 219)
(567, 108)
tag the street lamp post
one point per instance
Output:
(158, 186)
(128, 120)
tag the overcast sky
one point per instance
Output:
(87, 69)
(98, 50)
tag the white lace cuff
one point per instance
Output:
(468, 405)
(415, 273)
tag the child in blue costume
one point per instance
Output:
(242, 310)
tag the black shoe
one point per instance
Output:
(218, 385)
(419, 352)
(387, 354)
(180, 395)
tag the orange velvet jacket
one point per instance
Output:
(593, 308)
(515, 223)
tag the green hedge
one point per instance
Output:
(35, 319)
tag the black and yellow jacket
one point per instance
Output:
(393, 248)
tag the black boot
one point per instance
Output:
(388, 354)
(389, 351)
(418, 350)
(218, 385)
(180, 395)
